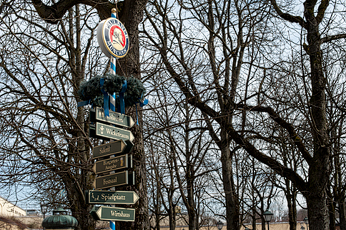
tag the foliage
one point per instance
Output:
(92, 89)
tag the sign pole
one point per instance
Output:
(113, 66)
(114, 43)
(113, 100)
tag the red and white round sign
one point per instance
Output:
(113, 38)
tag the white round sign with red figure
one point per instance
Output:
(113, 38)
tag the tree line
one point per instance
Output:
(246, 102)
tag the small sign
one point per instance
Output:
(113, 164)
(109, 149)
(110, 132)
(113, 118)
(112, 180)
(114, 213)
(112, 197)
(113, 38)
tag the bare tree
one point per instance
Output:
(202, 45)
(48, 142)
(336, 119)
(181, 160)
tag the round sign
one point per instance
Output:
(113, 38)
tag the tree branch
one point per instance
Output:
(332, 38)
(54, 13)
(288, 17)
(272, 163)
(321, 10)
(289, 127)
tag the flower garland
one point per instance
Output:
(94, 90)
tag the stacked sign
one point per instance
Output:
(112, 157)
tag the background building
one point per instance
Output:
(9, 209)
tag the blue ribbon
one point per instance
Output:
(121, 97)
(136, 114)
(141, 104)
(84, 103)
(145, 102)
(105, 98)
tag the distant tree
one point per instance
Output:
(202, 45)
(336, 119)
(179, 155)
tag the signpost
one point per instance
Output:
(110, 132)
(114, 42)
(112, 164)
(112, 180)
(113, 118)
(111, 197)
(113, 213)
(122, 145)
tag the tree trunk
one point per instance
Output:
(292, 215)
(191, 207)
(131, 16)
(253, 217)
(342, 216)
(232, 203)
(190, 177)
(292, 206)
(80, 209)
(172, 216)
(331, 208)
(319, 169)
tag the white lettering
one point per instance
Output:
(119, 214)
(110, 181)
(117, 134)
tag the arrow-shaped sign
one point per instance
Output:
(129, 146)
(112, 180)
(109, 149)
(113, 118)
(112, 197)
(114, 213)
(93, 213)
(110, 132)
(112, 164)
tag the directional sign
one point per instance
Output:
(129, 146)
(112, 164)
(113, 213)
(93, 213)
(111, 132)
(112, 197)
(113, 118)
(112, 180)
(109, 149)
